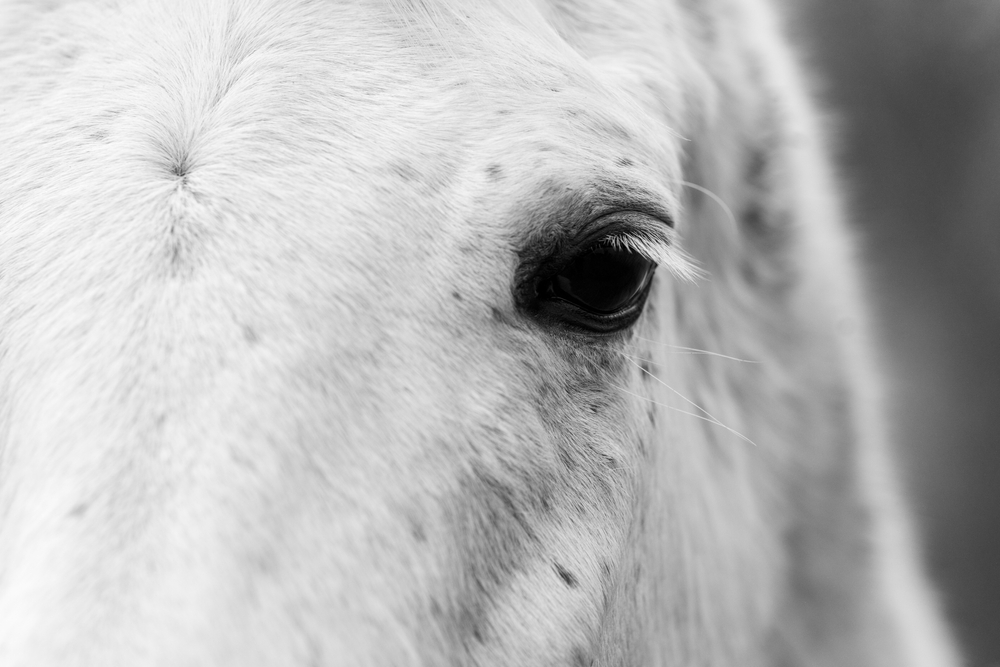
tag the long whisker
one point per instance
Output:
(685, 412)
(695, 350)
(714, 197)
(633, 360)
(706, 416)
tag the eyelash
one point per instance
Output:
(664, 252)
(600, 283)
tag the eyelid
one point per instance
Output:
(651, 238)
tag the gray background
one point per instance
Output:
(913, 87)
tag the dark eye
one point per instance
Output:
(601, 289)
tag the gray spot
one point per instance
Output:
(501, 317)
(78, 510)
(545, 501)
(418, 532)
(581, 657)
(250, 335)
(492, 527)
(568, 577)
(614, 130)
(405, 170)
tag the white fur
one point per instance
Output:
(266, 397)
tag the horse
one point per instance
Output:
(428, 332)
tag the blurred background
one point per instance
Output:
(913, 87)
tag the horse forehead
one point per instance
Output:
(213, 113)
(373, 59)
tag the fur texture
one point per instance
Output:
(268, 397)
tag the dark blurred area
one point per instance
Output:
(913, 88)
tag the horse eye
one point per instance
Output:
(602, 289)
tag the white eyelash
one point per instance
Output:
(658, 249)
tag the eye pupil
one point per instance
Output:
(604, 280)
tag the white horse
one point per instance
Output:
(330, 335)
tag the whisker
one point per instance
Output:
(714, 197)
(685, 412)
(695, 350)
(633, 360)
(707, 416)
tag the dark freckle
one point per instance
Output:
(606, 570)
(643, 447)
(499, 316)
(250, 336)
(456, 296)
(99, 135)
(546, 502)
(494, 172)
(503, 112)
(624, 162)
(435, 609)
(580, 658)
(619, 131)
(555, 90)
(78, 510)
(405, 171)
(645, 368)
(417, 530)
(566, 575)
